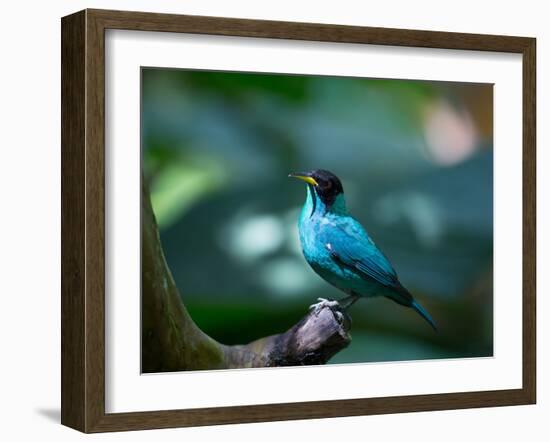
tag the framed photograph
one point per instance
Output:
(270, 220)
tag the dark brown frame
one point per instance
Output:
(83, 217)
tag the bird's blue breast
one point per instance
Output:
(319, 231)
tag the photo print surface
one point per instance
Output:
(296, 220)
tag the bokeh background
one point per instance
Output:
(416, 162)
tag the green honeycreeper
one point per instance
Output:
(339, 249)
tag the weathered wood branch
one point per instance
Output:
(171, 341)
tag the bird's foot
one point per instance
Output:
(322, 302)
(332, 304)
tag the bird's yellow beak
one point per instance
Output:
(303, 177)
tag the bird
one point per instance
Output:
(340, 250)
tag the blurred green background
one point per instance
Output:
(416, 162)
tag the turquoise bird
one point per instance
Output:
(339, 249)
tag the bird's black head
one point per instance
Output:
(326, 185)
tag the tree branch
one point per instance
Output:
(171, 341)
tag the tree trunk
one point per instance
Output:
(171, 341)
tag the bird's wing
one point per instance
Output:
(352, 247)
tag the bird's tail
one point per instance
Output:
(402, 296)
(422, 312)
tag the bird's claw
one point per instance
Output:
(334, 306)
(330, 303)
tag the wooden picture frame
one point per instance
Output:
(83, 220)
